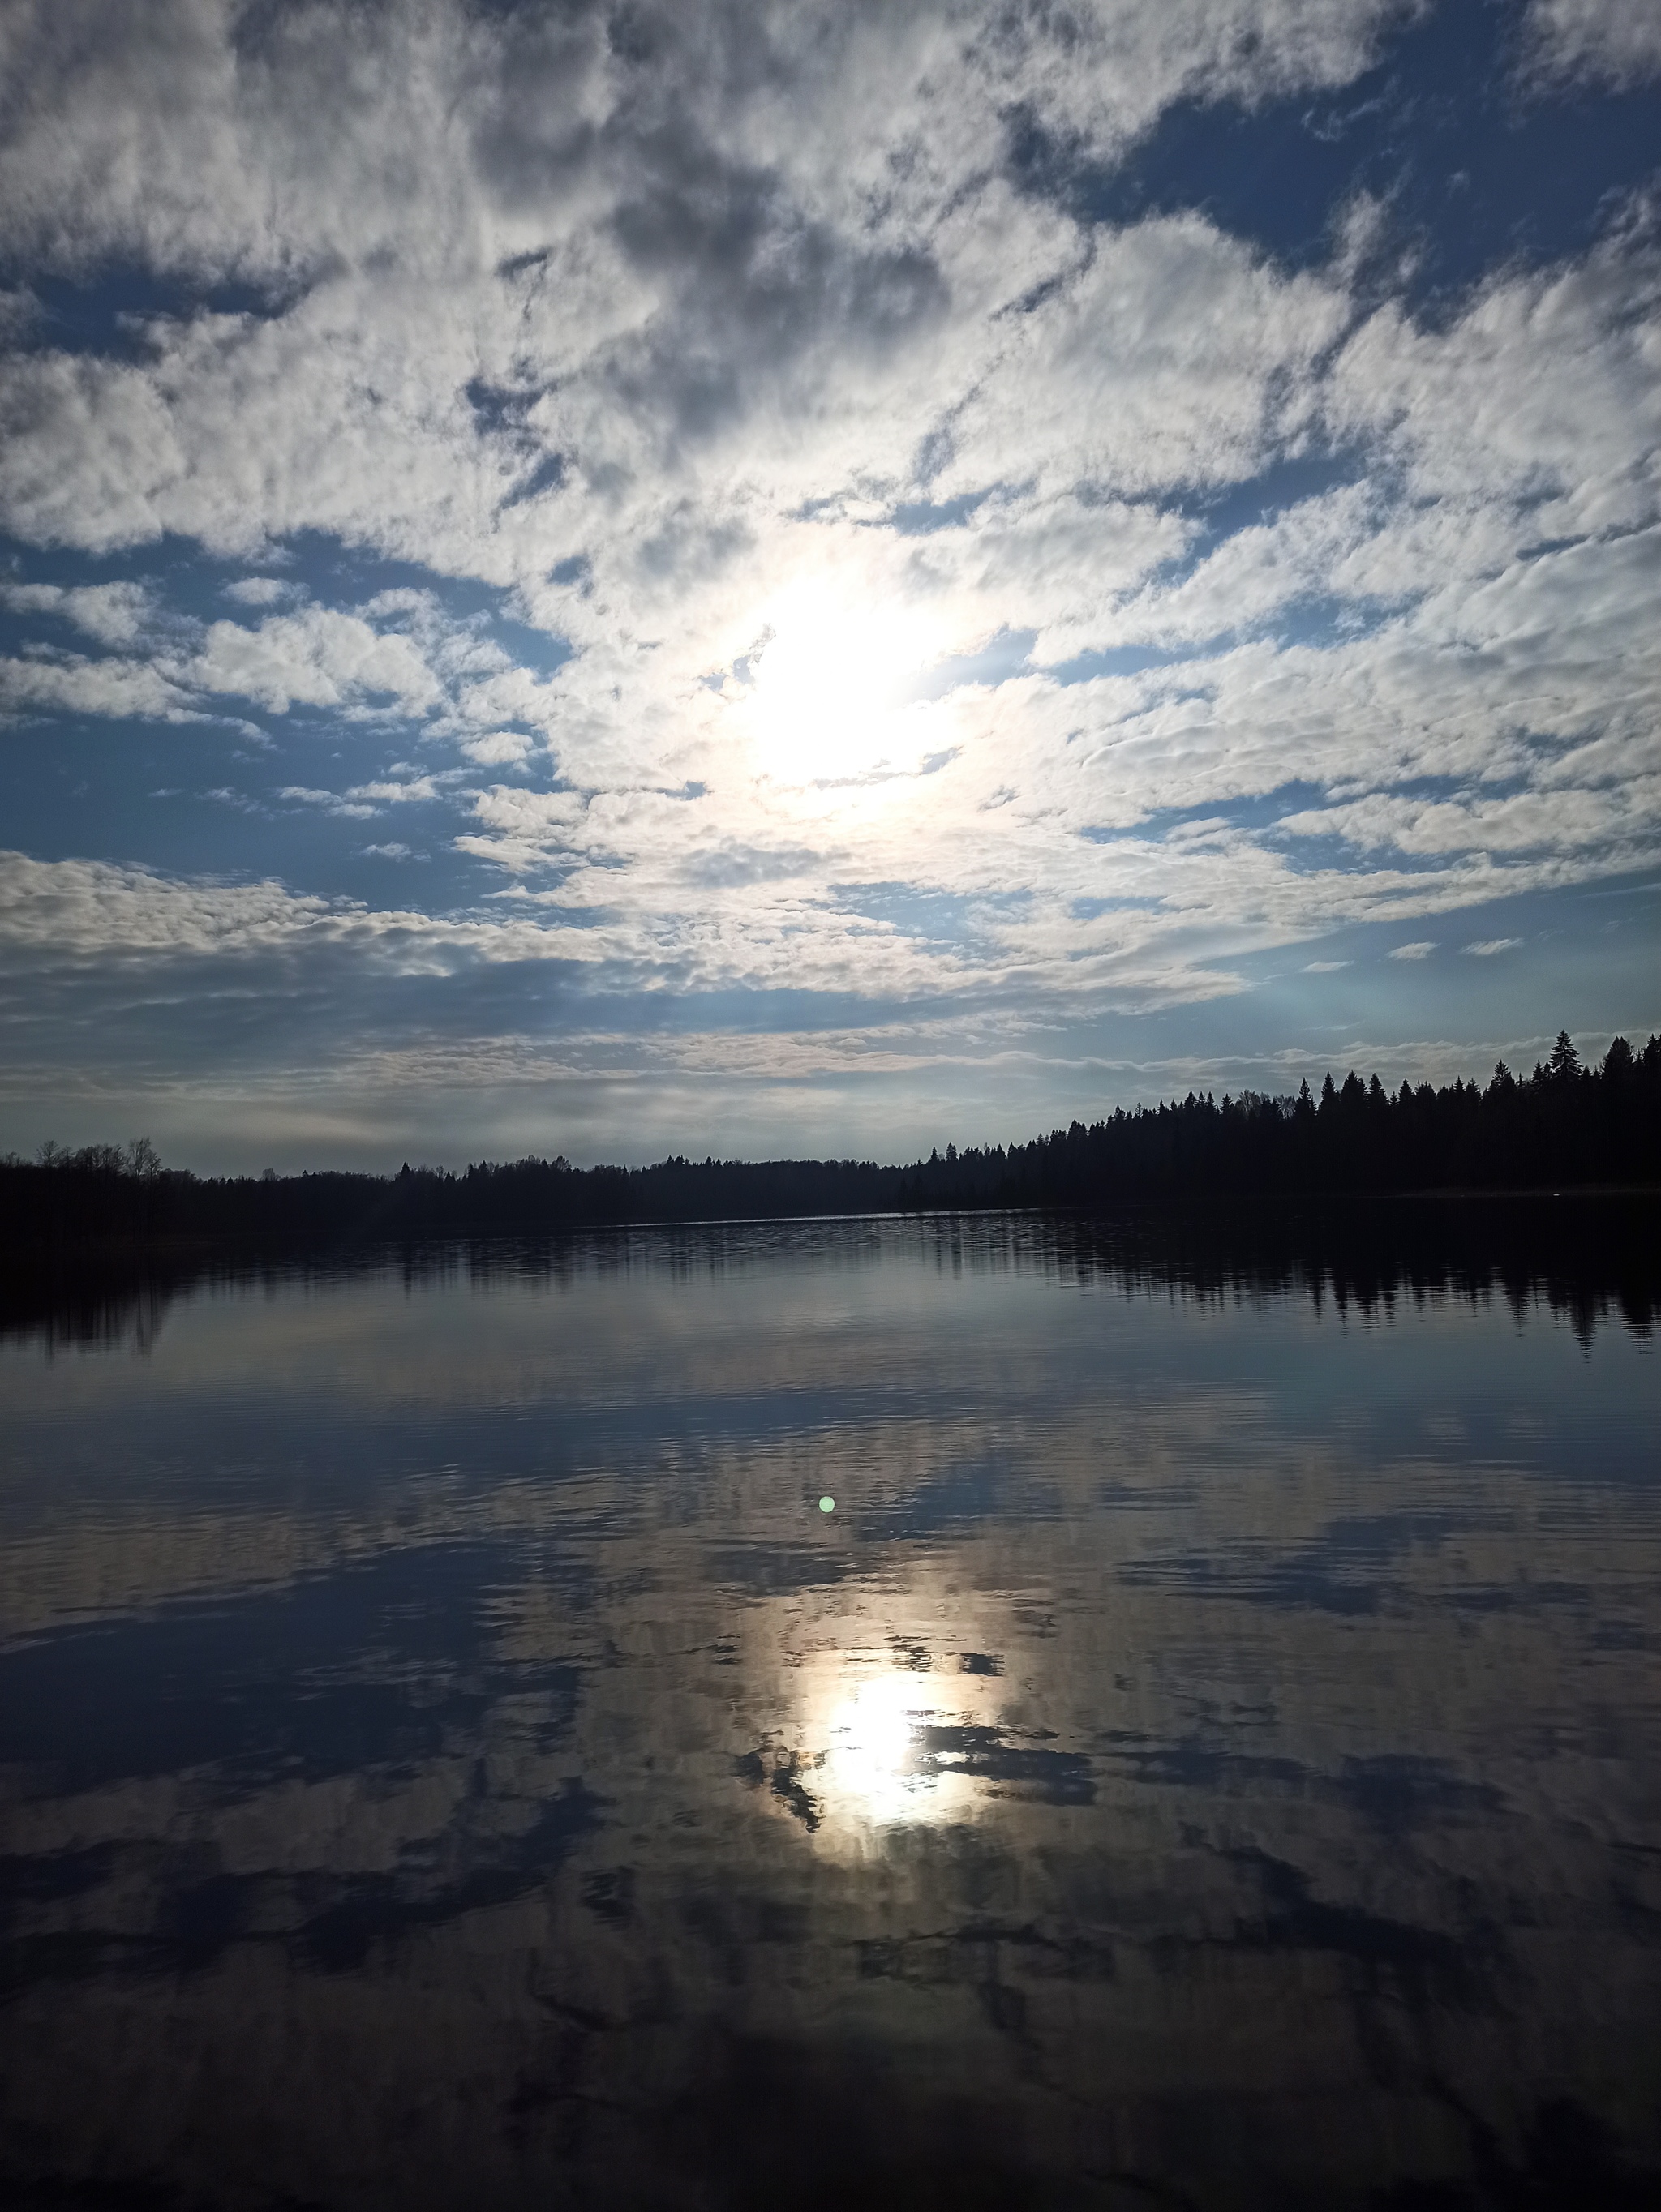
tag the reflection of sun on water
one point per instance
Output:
(876, 1768)
(883, 1706)
(871, 1766)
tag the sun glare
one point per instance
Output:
(872, 1749)
(829, 688)
(877, 1768)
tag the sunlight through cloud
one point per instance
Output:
(832, 687)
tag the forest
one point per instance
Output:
(1564, 1125)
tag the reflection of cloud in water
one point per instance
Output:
(497, 1771)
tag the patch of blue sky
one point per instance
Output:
(173, 567)
(1288, 481)
(1128, 660)
(546, 474)
(920, 518)
(1509, 968)
(1339, 1001)
(1430, 789)
(183, 580)
(253, 1020)
(189, 799)
(207, 794)
(108, 312)
(1477, 169)
(500, 406)
(1306, 619)
(1312, 618)
(933, 917)
(1322, 854)
(1322, 618)
(540, 651)
(1009, 654)
(527, 997)
(344, 575)
(1255, 812)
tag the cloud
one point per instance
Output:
(1419, 950)
(1325, 967)
(396, 794)
(75, 685)
(1490, 945)
(318, 657)
(332, 802)
(1167, 598)
(68, 909)
(263, 591)
(500, 749)
(1616, 42)
(114, 614)
(358, 128)
(1164, 360)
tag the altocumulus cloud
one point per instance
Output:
(886, 575)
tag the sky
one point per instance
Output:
(756, 577)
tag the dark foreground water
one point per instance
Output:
(1210, 1755)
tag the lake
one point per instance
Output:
(959, 1712)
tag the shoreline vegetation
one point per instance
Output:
(1564, 1127)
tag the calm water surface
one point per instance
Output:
(1207, 1757)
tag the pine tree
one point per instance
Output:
(1565, 1060)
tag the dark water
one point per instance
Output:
(1208, 1756)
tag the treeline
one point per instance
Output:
(1565, 1126)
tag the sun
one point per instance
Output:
(831, 687)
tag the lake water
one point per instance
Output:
(1209, 1754)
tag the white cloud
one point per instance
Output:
(1490, 945)
(69, 909)
(1612, 42)
(394, 795)
(497, 750)
(752, 327)
(263, 591)
(1165, 360)
(75, 685)
(318, 657)
(1421, 951)
(114, 614)
(332, 802)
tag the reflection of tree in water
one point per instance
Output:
(1585, 1260)
(1105, 1806)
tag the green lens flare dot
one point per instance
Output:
(827, 1505)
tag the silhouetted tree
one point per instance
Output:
(1566, 1125)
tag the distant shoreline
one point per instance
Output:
(1563, 1128)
